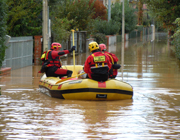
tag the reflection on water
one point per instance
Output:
(153, 113)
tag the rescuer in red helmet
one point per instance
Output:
(97, 65)
(52, 64)
(113, 59)
(54, 46)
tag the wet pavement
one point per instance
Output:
(153, 113)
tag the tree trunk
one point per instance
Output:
(140, 12)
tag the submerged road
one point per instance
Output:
(153, 113)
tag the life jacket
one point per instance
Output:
(52, 62)
(115, 66)
(43, 56)
(44, 62)
(113, 57)
(99, 64)
(112, 60)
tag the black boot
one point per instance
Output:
(69, 73)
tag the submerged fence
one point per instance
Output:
(19, 53)
(145, 31)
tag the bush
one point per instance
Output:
(176, 42)
(139, 27)
(176, 38)
(100, 38)
(105, 27)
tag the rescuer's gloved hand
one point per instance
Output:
(73, 48)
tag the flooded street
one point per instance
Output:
(153, 113)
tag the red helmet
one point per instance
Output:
(56, 46)
(102, 46)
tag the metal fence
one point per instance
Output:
(79, 41)
(19, 53)
(145, 32)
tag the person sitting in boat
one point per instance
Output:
(113, 58)
(52, 64)
(97, 65)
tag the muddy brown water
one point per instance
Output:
(153, 113)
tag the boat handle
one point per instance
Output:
(101, 95)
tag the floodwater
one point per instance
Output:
(153, 113)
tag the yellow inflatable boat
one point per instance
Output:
(84, 89)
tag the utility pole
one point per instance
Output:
(122, 51)
(109, 10)
(45, 25)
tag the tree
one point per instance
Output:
(3, 14)
(130, 17)
(24, 17)
(140, 12)
(164, 11)
(100, 10)
(62, 30)
(76, 14)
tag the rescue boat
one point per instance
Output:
(76, 88)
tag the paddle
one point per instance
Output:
(62, 80)
(74, 71)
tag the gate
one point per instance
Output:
(19, 53)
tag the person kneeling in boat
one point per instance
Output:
(97, 65)
(52, 64)
(113, 58)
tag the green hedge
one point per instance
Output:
(176, 42)
(3, 10)
(100, 38)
